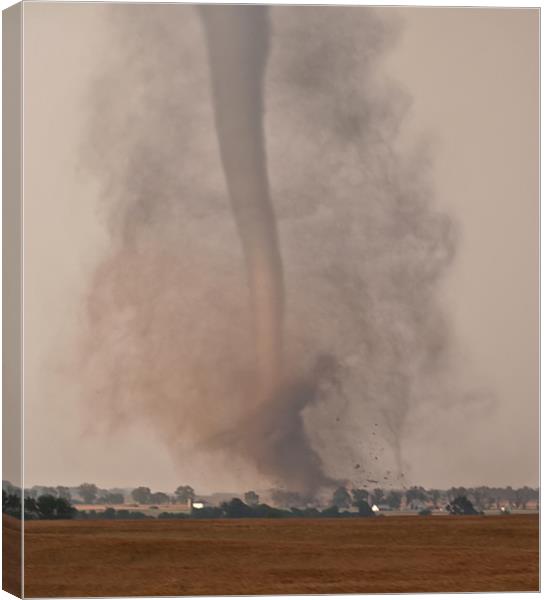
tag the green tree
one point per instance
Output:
(365, 510)
(341, 498)
(456, 492)
(394, 499)
(522, 496)
(110, 498)
(142, 495)
(159, 498)
(88, 492)
(435, 496)
(461, 505)
(360, 495)
(184, 493)
(47, 505)
(63, 509)
(415, 494)
(63, 492)
(331, 511)
(252, 498)
(236, 509)
(33, 492)
(479, 496)
(31, 508)
(11, 504)
(9, 488)
(378, 496)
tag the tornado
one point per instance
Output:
(237, 40)
(173, 330)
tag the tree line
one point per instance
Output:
(57, 502)
(234, 509)
(90, 493)
(415, 497)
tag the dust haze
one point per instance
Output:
(361, 335)
(364, 246)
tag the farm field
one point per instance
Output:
(11, 555)
(396, 554)
(147, 509)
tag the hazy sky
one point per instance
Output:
(472, 75)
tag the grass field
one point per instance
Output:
(396, 554)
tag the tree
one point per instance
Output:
(184, 493)
(341, 498)
(522, 496)
(88, 492)
(207, 512)
(63, 492)
(35, 491)
(31, 508)
(456, 492)
(435, 496)
(11, 504)
(415, 494)
(365, 510)
(252, 498)
(47, 506)
(461, 505)
(394, 499)
(142, 495)
(159, 498)
(359, 495)
(331, 511)
(236, 509)
(378, 495)
(481, 497)
(8, 488)
(63, 509)
(111, 498)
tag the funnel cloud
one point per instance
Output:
(238, 42)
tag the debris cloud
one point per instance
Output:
(351, 339)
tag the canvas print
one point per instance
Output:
(270, 299)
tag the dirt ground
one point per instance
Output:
(11, 555)
(395, 554)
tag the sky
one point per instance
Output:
(470, 90)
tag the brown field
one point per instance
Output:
(395, 554)
(11, 555)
